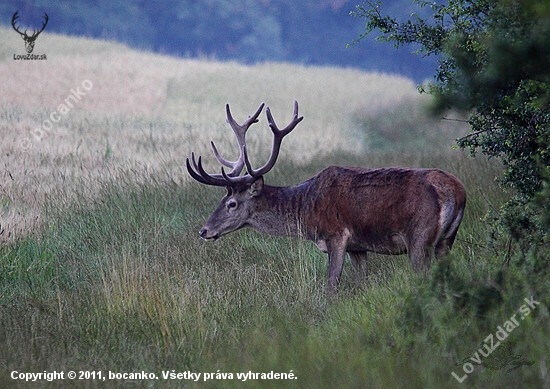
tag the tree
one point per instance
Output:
(494, 62)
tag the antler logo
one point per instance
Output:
(29, 40)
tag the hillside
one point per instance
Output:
(304, 32)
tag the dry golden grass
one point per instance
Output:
(147, 112)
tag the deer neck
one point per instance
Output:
(279, 211)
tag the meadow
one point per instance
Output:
(102, 268)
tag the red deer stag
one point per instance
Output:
(391, 210)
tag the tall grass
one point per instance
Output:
(123, 283)
(103, 268)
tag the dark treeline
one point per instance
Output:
(309, 32)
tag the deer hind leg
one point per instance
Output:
(443, 247)
(359, 264)
(421, 257)
(421, 253)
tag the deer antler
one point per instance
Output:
(13, 20)
(233, 178)
(278, 136)
(24, 34)
(46, 18)
(195, 167)
(240, 132)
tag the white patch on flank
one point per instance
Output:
(445, 215)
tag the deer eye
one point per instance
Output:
(231, 204)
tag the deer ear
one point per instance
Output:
(256, 187)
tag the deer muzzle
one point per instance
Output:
(205, 234)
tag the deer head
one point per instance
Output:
(236, 207)
(29, 40)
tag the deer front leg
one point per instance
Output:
(336, 253)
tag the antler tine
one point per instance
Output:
(14, 20)
(278, 136)
(240, 132)
(251, 120)
(220, 159)
(240, 180)
(192, 171)
(289, 127)
(46, 18)
(196, 171)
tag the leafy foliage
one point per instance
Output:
(494, 63)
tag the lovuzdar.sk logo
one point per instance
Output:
(29, 39)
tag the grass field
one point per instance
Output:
(102, 268)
